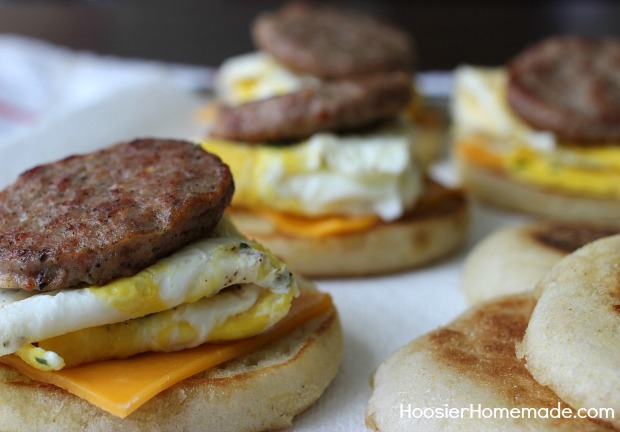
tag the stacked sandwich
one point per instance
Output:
(322, 131)
(128, 302)
(543, 359)
(542, 134)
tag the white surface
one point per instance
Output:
(38, 78)
(378, 314)
(154, 108)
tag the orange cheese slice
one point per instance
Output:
(477, 151)
(317, 227)
(122, 386)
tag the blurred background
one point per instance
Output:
(205, 32)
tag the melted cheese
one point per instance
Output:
(319, 227)
(122, 386)
(299, 226)
(477, 149)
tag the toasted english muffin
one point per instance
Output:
(513, 259)
(262, 390)
(500, 189)
(470, 362)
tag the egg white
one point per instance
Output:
(361, 174)
(480, 105)
(254, 76)
(244, 311)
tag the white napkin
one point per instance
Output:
(38, 79)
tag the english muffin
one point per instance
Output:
(452, 379)
(572, 338)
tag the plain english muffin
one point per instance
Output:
(514, 259)
(571, 343)
(469, 367)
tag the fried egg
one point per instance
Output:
(254, 76)
(480, 104)
(490, 134)
(218, 288)
(368, 173)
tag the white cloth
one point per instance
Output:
(38, 79)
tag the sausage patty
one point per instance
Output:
(571, 86)
(88, 219)
(331, 43)
(332, 106)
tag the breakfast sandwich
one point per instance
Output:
(329, 146)
(541, 135)
(513, 259)
(466, 376)
(129, 302)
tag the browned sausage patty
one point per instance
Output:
(333, 106)
(331, 43)
(569, 85)
(92, 218)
